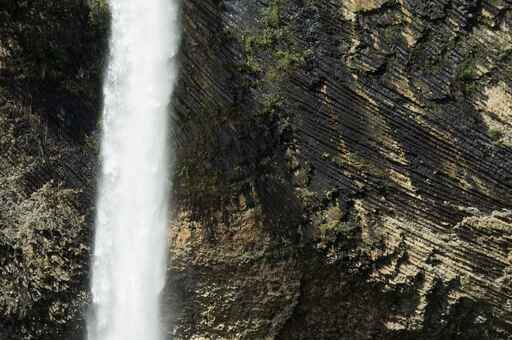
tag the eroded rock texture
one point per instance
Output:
(50, 62)
(343, 169)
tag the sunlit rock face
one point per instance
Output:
(343, 172)
(355, 178)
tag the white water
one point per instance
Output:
(130, 252)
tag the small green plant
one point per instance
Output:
(274, 14)
(495, 134)
(286, 59)
(470, 87)
(468, 71)
(338, 227)
(467, 74)
(271, 52)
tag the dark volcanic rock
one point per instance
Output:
(358, 178)
(344, 171)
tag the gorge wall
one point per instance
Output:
(344, 169)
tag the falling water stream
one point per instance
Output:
(129, 261)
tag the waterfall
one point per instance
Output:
(129, 261)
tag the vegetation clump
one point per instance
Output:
(272, 52)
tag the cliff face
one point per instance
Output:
(344, 171)
(50, 67)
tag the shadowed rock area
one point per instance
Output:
(344, 171)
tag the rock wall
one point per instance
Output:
(50, 68)
(343, 171)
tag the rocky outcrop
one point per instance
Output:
(49, 82)
(343, 172)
